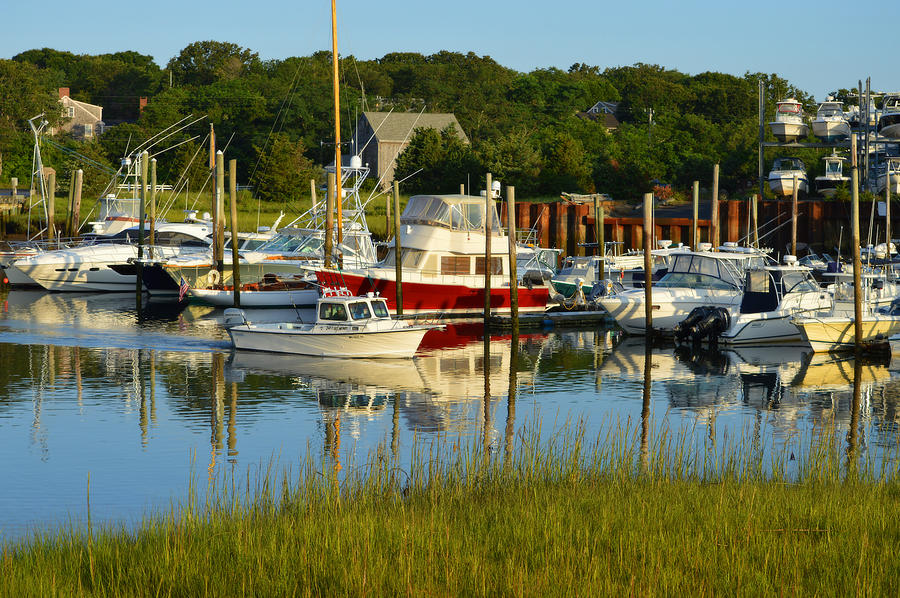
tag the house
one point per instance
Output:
(384, 135)
(83, 120)
(605, 112)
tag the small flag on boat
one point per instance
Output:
(182, 288)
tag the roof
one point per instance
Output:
(398, 126)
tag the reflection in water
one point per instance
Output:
(83, 388)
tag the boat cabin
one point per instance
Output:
(765, 288)
(342, 309)
(717, 271)
(787, 110)
(445, 235)
(788, 164)
(832, 110)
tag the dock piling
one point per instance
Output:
(235, 258)
(695, 239)
(794, 212)
(648, 274)
(714, 217)
(854, 245)
(513, 274)
(488, 204)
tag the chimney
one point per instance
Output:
(142, 102)
(63, 92)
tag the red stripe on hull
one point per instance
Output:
(446, 298)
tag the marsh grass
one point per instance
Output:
(625, 512)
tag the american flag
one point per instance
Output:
(183, 287)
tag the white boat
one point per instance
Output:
(108, 265)
(772, 296)
(830, 123)
(889, 119)
(271, 291)
(782, 175)
(889, 174)
(694, 279)
(835, 329)
(834, 177)
(345, 326)
(789, 124)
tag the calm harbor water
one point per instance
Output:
(140, 407)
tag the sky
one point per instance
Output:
(796, 40)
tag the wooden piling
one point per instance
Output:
(329, 221)
(220, 215)
(139, 264)
(398, 252)
(599, 224)
(152, 205)
(513, 274)
(714, 217)
(755, 219)
(648, 273)
(854, 245)
(51, 206)
(462, 188)
(695, 239)
(312, 193)
(76, 202)
(794, 212)
(235, 257)
(68, 225)
(488, 204)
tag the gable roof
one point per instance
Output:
(398, 126)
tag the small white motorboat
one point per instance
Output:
(784, 172)
(789, 124)
(834, 177)
(830, 123)
(345, 326)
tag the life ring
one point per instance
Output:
(213, 277)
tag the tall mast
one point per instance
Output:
(337, 125)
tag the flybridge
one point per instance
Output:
(456, 212)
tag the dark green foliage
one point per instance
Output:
(284, 172)
(528, 129)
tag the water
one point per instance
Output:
(92, 399)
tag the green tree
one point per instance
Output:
(202, 63)
(284, 172)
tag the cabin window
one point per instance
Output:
(757, 281)
(474, 215)
(380, 309)
(333, 311)
(411, 258)
(496, 265)
(360, 310)
(455, 264)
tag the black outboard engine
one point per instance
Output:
(704, 322)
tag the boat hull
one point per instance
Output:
(283, 338)
(81, 277)
(423, 295)
(830, 131)
(784, 186)
(839, 333)
(787, 132)
(669, 309)
(299, 298)
(889, 126)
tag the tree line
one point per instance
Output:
(276, 118)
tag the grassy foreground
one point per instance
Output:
(551, 518)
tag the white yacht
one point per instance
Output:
(789, 124)
(108, 264)
(694, 279)
(830, 123)
(782, 175)
(828, 183)
(889, 119)
(772, 296)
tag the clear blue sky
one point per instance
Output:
(806, 42)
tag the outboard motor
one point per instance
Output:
(533, 278)
(704, 322)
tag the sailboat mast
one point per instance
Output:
(337, 125)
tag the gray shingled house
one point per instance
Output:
(83, 120)
(385, 134)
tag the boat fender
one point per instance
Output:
(213, 277)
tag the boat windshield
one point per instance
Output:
(333, 311)
(359, 310)
(833, 167)
(788, 164)
(455, 214)
(380, 309)
(788, 108)
(703, 272)
(798, 282)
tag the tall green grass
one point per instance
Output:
(622, 513)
